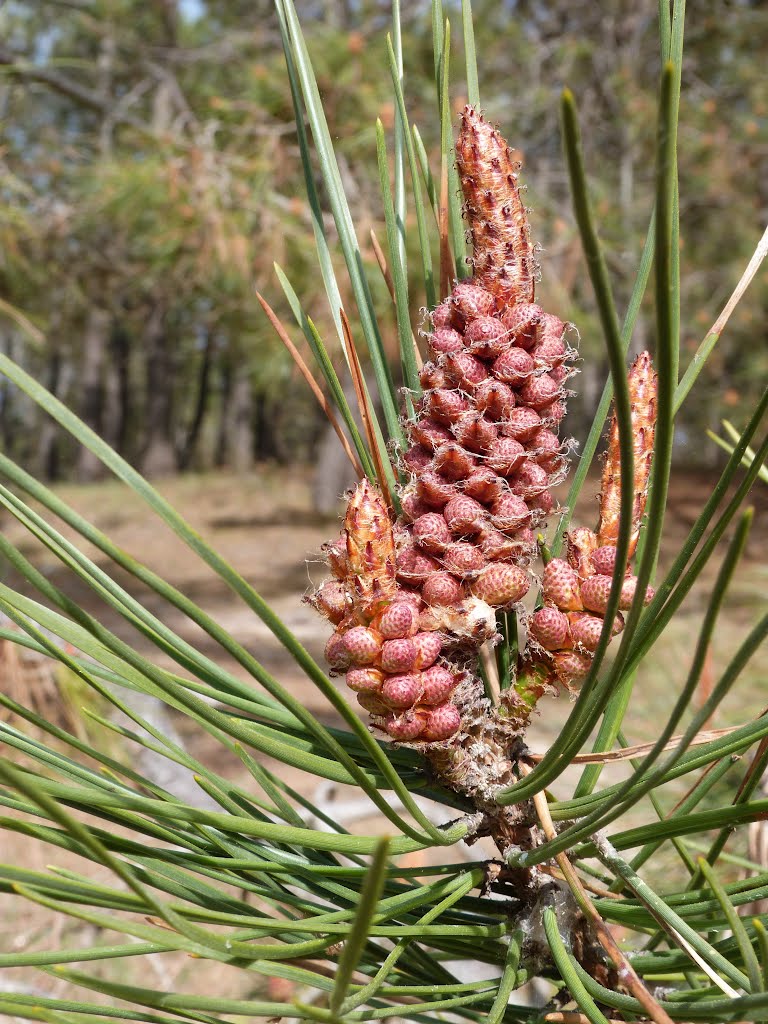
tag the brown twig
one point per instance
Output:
(571, 1017)
(596, 890)
(314, 386)
(627, 974)
(366, 412)
(692, 789)
(755, 763)
(626, 753)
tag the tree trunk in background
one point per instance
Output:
(120, 388)
(159, 454)
(222, 427)
(188, 450)
(241, 415)
(234, 439)
(333, 475)
(45, 456)
(264, 426)
(49, 460)
(333, 471)
(6, 401)
(92, 369)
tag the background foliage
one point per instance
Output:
(150, 176)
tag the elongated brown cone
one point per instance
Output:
(498, 222)
(576, 589)
(483, 449)
(642, 382)
(370, 549)
(483, 454)
(413, 601)
(391, 661)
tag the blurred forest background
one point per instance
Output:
(151, 175)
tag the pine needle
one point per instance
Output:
(366, 412)
(314, 386)
(446, 259)
(381, 259)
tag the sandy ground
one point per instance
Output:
(263, 525)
